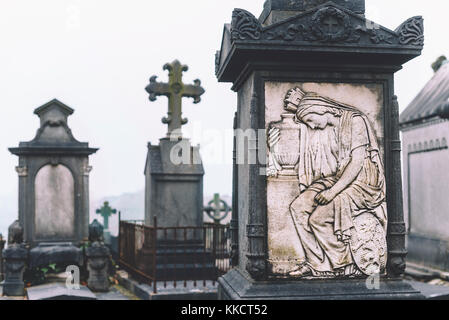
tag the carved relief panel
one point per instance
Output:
(326, 195)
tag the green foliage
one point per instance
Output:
(36, 276)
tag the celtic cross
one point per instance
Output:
(174, 90)
(216, 207)
(106, 211)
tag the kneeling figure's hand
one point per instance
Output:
(325, 197)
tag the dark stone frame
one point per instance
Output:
(34, 162)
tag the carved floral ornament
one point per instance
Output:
(328, 24)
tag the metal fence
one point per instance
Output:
(158, 254)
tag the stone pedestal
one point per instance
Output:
(97, 256)
(301, 228)
(235, 285)
(174, 185)
(16, 256)
(63, 254)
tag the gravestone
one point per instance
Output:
(174, 187)
(54, 187)
(174, 172)
(425, 136)
(317, 152)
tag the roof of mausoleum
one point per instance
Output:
(431, 102)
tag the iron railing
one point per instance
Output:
(160, 254)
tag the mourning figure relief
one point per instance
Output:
(340, 213)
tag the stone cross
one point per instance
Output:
(106, 211)
(174, 90)
(331, 22)
(216, 207)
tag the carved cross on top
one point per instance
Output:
(106, 211)
(175, 90)
(330, 23)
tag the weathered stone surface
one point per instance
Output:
(98, 256)
(278, 10)
(15, 256)
(235, 286)
(55, 203)
(175, 90)
(58, 291)
(62, 254)
(321, 122)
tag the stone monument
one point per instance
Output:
(312, 220)
(54, 188)
(174, 186)
(174, 172)
(425, 136)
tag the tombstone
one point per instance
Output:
(54, 187)
(425, 135)
(317, 151)
(174, 187)
(174, 172)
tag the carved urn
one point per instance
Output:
(284, 143)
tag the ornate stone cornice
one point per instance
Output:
(328, 28)
(411, 32)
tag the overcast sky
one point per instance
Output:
(97, 56)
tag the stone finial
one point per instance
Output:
(95, 231)
(15, 233)
(438, 63)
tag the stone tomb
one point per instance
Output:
(312, 218)
(53, 187)
(425, 136)
(174, 185)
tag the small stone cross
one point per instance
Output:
(331, 22)
(106, 211)
(216, 207)
(175, 90)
